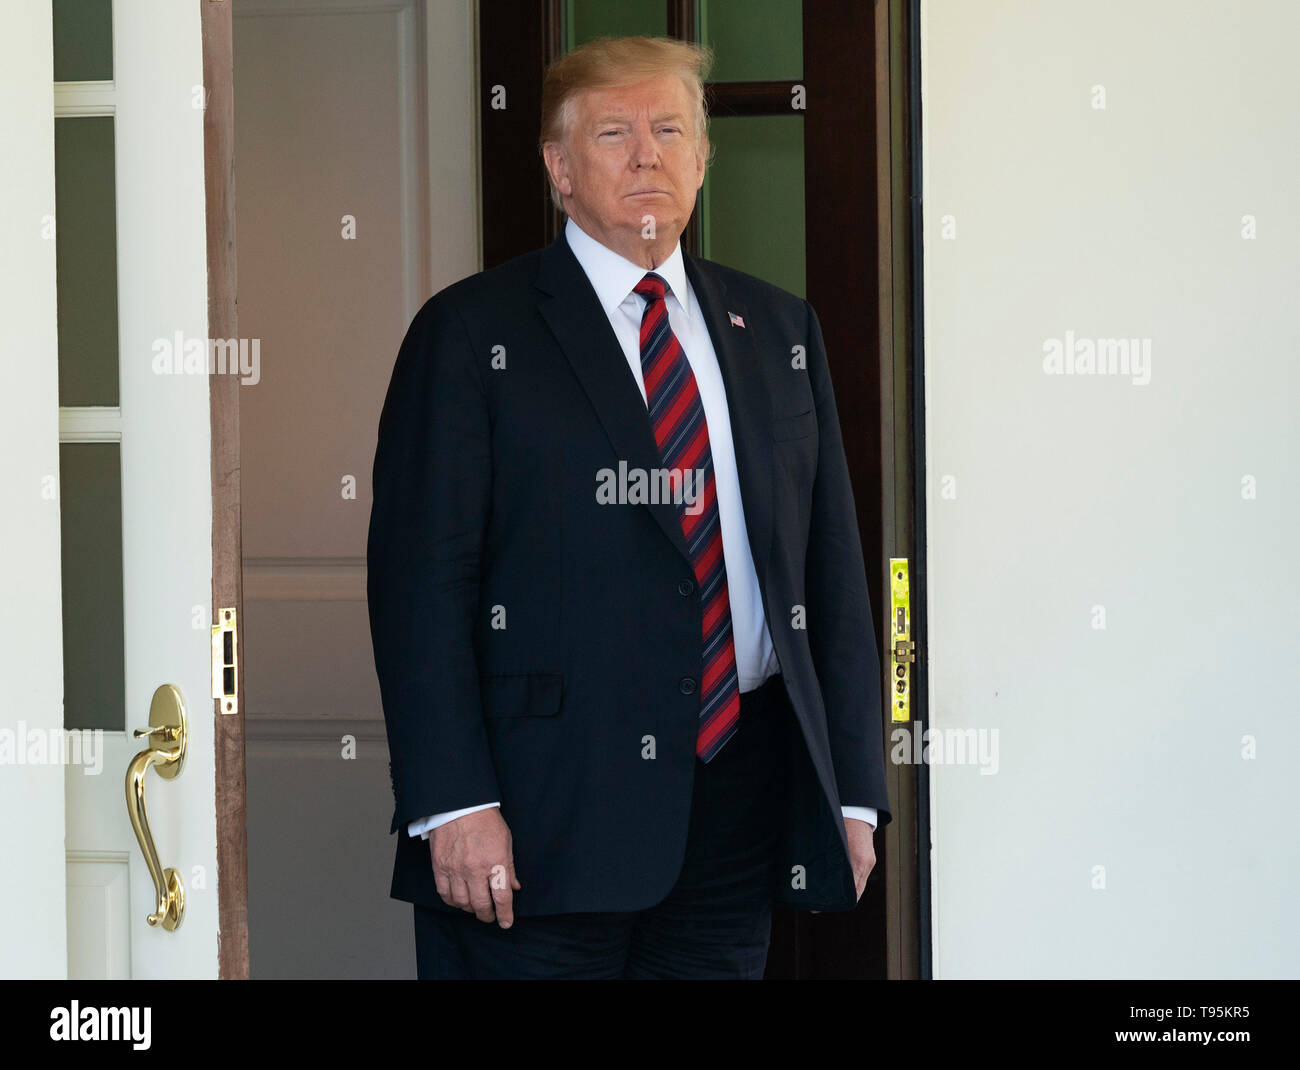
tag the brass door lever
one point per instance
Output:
(167, 734)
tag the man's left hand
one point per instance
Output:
(862, 851)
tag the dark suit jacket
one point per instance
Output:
(509, 394)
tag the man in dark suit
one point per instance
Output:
(617, 595)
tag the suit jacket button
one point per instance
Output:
(685, 587)
(687, 685)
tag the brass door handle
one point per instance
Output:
(167, 734)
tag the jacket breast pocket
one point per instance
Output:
(801, 425)
(522, 694)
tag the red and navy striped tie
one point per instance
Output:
(677, 417)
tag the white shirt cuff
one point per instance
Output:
(861, 813)
(424, 825)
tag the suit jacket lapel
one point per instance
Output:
(571, 309)
(749, 402)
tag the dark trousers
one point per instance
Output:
(716, 920)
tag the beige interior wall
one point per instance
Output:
(342, 109)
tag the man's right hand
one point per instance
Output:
(474, 865)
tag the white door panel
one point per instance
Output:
(32, 939)
(89, 919)
(166, 480)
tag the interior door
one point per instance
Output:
(112, 555)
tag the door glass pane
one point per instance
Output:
(586, 19)
(94, 685)
(86, 255)
(83, 40)
(752, 212)
(753, 40)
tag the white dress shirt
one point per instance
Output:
(613, 277)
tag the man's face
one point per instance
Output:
(631, 156)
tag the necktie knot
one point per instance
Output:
(652, 287)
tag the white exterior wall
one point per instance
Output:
(1141, 819)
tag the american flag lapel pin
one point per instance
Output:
(736, 321)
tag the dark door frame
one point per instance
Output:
(914, 283)
(223, 411)
(863, 277)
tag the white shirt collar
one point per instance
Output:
(613, 276)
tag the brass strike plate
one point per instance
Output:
(225, 664)
(902, 650)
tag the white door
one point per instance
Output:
(107, 525)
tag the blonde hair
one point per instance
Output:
(615, 61)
